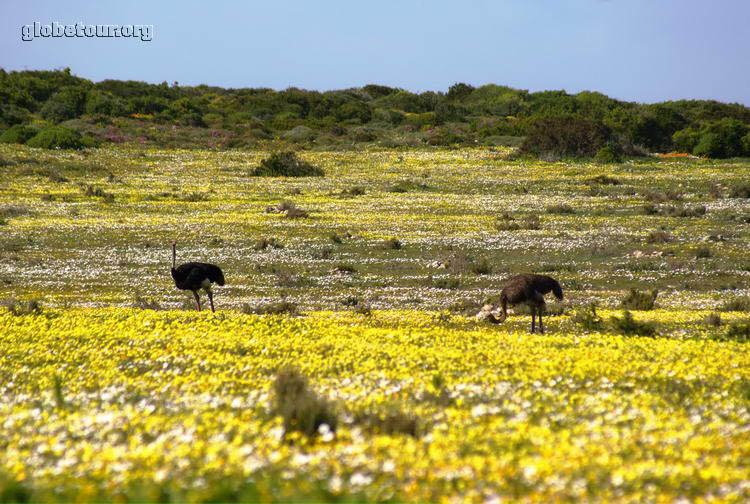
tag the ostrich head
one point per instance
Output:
(486, 313)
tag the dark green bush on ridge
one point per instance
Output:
(286, 164)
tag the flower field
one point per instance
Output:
(113, 388)
(124, 404)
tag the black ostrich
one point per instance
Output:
(529, 289)
(193, 276)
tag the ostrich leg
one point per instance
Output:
(211, 300)
(533, 318)
(542, 309)
(197, 300)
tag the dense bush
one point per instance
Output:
(57, 137)
(655, 126)
(566, 135)
(20, 133)
(102, 102)
(607, 154)
(685, 140)
(286, 164)
(717, 139)
(66, 104)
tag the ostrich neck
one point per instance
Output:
(174, 256)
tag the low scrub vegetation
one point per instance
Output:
(637, 300)
(286, 164)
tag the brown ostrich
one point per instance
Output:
(529, 289)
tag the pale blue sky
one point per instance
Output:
(635, 50)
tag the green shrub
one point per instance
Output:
(363, 309)
(703, 253)
(393, 244)
(19, 134)
(737, 304)
(337, 239)
(741, 190)
(607, 154)
(509, 223)
(481, 267)
(18, 308)
(353, 191)
(390, 422)
(301, 408)
(565, 135)
(628, 326)
(719, 139)
(637, 300)
(12, 211)
(739, 331)
(604, 180)
(685, 140)
(286, 164)
(403, 186)
(709, 145)
(350, 301)
(363, 135)
(322, 254)
(345, 268)
(57, 137)
(354, 110)
(296, 213)
(445, 139)
(194, 197)
(697, 211)
(661, 197)
(144, 303)
(264, 243)
(90, 190)
(587, 317)
(561, 209)
(659, 236)
(712, 320)
(68, 103)
(446, 283)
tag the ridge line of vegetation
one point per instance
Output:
(548, 124)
